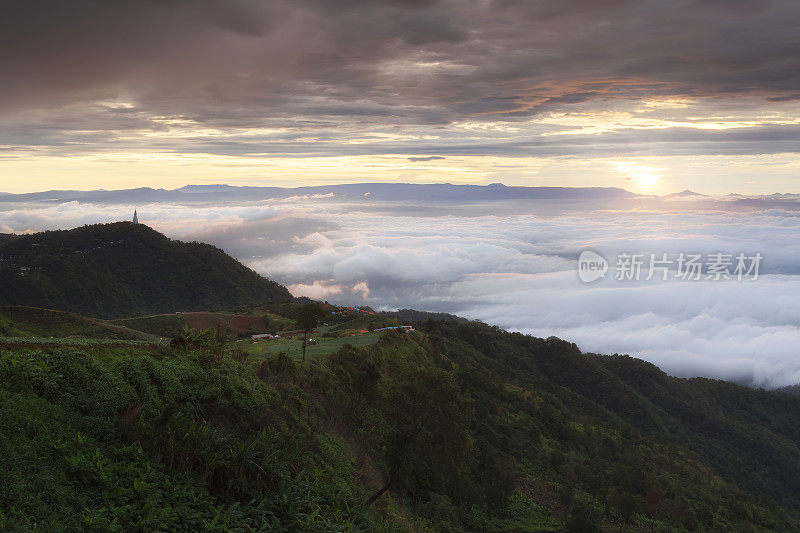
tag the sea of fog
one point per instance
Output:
(514, 263)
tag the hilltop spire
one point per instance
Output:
(135, 217)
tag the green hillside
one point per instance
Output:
(24, 322)
(164, 325)
(456, 427)
(242, 324)
(125, 269)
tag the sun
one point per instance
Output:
(641, 175)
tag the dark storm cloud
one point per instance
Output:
(420, 61)
(787, 98)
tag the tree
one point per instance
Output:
(431, 326)
(428, 445)
(307, 319)
(582, 519)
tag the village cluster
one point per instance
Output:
(298, 334)
(334, 311)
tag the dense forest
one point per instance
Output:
(125, 269)
(455, 427)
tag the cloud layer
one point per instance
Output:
(513, 263)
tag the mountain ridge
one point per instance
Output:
(373, 191)
(125, 269)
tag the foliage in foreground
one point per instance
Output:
(119, 440)
(466, 428)
(469, 428)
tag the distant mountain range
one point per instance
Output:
(687, 194)
(404, 192)
(125, 269)
(354, 191)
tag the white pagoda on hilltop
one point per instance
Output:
(135, 217)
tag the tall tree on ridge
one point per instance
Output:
(307, 320)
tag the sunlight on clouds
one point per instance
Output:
(421, 66)
(655, 114)
(181, 128)
(666, 103)
(488, 126)
(610, 122)
(567, 146)
(643, 176)
(325, 289)
(318, 290)
(116, 104)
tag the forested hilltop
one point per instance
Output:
(125, 269)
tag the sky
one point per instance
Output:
(655, 96)
(513, 263)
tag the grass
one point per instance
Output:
(75, 341)
(294, 347)
(27, 326)
(171, 325)
(163, 325)
(278, 321)
(19, 321)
